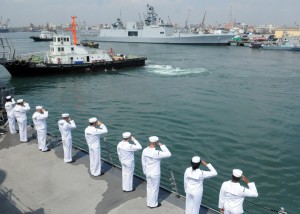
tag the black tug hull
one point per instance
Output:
(30, 69)
(38, 39)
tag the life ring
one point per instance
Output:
(17, 62)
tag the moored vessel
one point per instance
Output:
(155, 30)
(43, 37)
(284, 44)
(65, 56)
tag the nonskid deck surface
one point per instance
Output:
(40, 182)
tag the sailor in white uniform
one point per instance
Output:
(151, 159)
(20, 113)
(126, 156)
(9, 107)
(65, 126)
(92, 136)
(232, 194)
(193, 184)
(39, 120)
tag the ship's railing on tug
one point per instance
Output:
(7, 51)
(171, 180)
(36, 57)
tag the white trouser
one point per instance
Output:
(227, 211)
(42, 139)
(23, 130)
(95, 161)
(67, 146)
(127, 175)
(152, 189)
(12, 124)
(193, 202)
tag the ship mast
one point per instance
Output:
(73, 29)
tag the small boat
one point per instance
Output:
(43, 37)
(285, 44)
(65, 57)
(90, 44)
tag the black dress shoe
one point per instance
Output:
(48, 150)
(158, 205)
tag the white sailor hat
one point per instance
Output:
(196, 159)
(153, 139)
(39, 107)
(126, 135)
(65, 115)
(20, 101)
(93, 120)
(8, 97)
(237, 173)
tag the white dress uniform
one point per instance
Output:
(65, 129)
(40, 125)
(193, 187)
(9, 107)
(20, 114)
(92, 136)
(232, 196)
(126, 156)
(151, 159)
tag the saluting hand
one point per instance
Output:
(132, 138)
(99, 123)
(245, 179)
(203, 162)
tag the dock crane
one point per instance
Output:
(187, 20)
(202, 25)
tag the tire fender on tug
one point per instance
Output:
(93, 65)
(60, 66)
(17, 62)
(23, 62)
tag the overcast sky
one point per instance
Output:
(256, 12)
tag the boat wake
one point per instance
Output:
(169, 70)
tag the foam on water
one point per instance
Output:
(169, 70)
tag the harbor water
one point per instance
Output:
(235, 107)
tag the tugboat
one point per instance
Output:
(65, 57)
(43, 37)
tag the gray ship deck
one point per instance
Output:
(35, 182)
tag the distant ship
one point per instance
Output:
(283, 44)
(43, 37)
(4, 26)
(155, 30)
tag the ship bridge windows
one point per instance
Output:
(60, 49)
(162, 32)
(132, 33)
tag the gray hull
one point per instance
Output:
(205, 39)
(278, 48)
